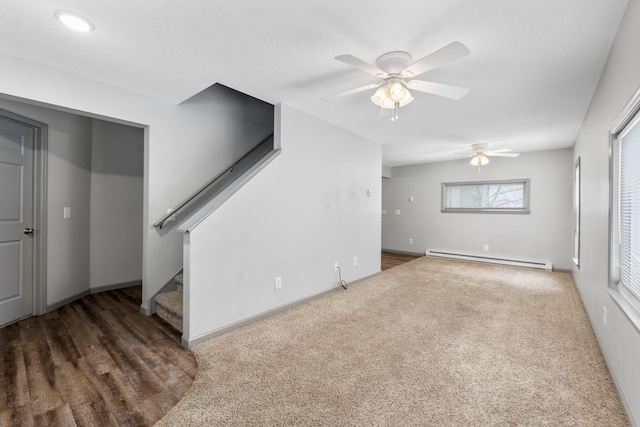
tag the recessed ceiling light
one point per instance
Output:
(74, 21)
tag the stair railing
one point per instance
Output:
(207, 191)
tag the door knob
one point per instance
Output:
(28, 231)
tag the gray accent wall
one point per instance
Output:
(68, 185)
(543, 235)
(117, 158)
(96, 169)
(619, 338)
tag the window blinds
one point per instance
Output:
(629, 210)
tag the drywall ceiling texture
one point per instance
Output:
(532, 70)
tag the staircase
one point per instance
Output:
(169, 304)
(195, 208)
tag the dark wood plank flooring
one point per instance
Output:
(392, 259)
(95, 362)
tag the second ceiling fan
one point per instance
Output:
(397, 71)
(480, 155)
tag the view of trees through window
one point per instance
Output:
(486, 196)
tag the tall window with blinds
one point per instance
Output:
(626, 167)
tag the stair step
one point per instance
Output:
(170, 308)
(169, 317)
(171, 301)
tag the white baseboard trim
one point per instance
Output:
(492, 260)
(393, 251)
(228, 328)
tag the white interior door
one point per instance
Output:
(16, 220)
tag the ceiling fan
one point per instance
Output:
(480, 155)
(397, 70)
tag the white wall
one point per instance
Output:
(619, 340)
(308, 209)
(543, 235)
(208, 124)
(69, 181)
(117, 158)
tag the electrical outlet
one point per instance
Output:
(278, 282)
(355, 261)
(66, 212)
(411, 240)
(335, 266)
(486, 248)
(397, 211)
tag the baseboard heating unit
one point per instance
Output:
(492, 260)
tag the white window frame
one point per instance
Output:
(623, 296)
(576, 212)
(526, 182)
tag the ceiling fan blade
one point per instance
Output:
(452, 92)
(464, 152)
(500, 150)
(362, 65)
(495, 154)
(352, 91)
(449, 53)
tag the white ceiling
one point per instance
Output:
(532, 71)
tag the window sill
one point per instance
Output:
(486, 211)
(629, 310)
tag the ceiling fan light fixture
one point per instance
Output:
(479, 160)
(390, 94)
(380, 96)
(388, 104)
(397, 91)
(406, 99)
(395, 68)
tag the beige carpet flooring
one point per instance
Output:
(431, 342)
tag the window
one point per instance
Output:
(486, 197)
(625, 221)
